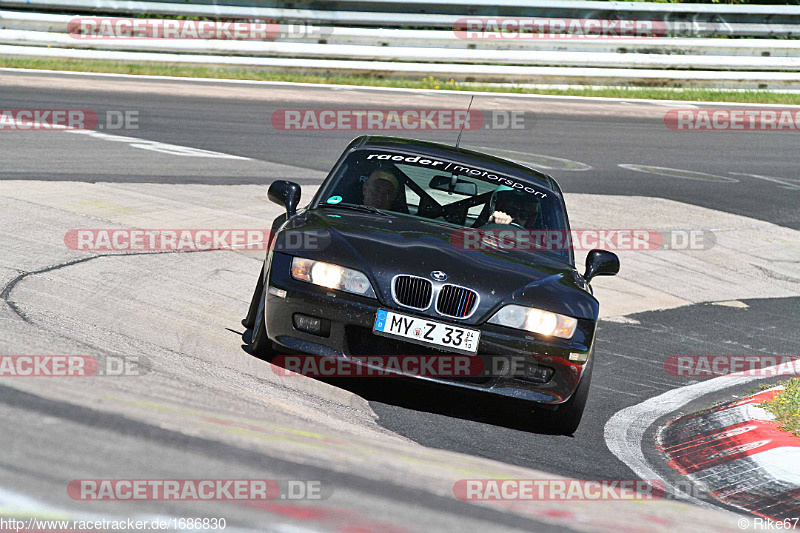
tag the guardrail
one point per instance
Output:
(354, 45)
(411, 54)
(703, 19)
(446, 39)
(785, 14)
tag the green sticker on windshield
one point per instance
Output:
(334, 199)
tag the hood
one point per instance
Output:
(385, 246)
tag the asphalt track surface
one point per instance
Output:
(557, 128)
(629, 356)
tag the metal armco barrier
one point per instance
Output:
(401, 37)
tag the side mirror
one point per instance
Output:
(601, 263)
(285, 193)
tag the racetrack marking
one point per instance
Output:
(16, 123)
(677, 105)
(13, 501)
(785, 184)
(536, 160)
(625, 430)
(732, 303)
(164, 148)
(678, 173)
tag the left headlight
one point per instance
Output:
(331, 276)
(535, 321)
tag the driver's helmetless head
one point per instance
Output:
(380, 189)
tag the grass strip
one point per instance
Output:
(430, 83)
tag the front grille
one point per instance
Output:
(456, 301)
(412, 291)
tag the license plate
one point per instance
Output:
(426, 331)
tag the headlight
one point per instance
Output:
(331, 276)
(535, 321)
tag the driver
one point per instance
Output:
(380, 189)
(511, 207)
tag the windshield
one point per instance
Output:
(442, 191)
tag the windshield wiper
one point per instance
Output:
(355, 207)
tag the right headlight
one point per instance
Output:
(332, 276)
(535, 321)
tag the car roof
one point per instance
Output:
(487, 161)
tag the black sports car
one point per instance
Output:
(411, 249)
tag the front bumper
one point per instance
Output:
(352, 318)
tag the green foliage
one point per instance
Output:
(786, 406)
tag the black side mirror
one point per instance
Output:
(285, 193)
(601, 263)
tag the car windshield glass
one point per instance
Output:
(446, 192)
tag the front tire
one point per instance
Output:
(566, 419)
(260, 344)
(250, 319)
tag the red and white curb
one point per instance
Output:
(738, 453)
